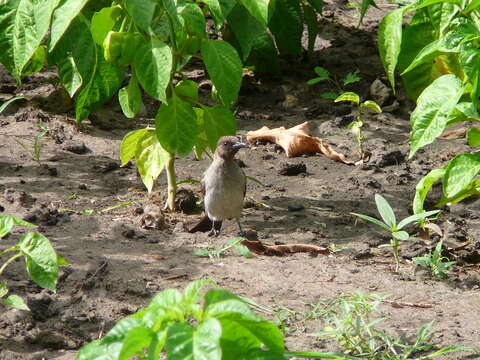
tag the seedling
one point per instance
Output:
(214, 252)
(41, 261)
(324, 75)
(434, 261)
(36, 152)
(390, 224)
(350, 319)
(356, 126)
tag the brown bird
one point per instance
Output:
(224, 186)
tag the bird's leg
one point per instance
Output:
(213, 232)
(240, 232)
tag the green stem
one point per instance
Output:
(13, 248)
(124, 22)
(9, 261)
(395, 253)
(172, 183)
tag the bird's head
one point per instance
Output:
(228, 146)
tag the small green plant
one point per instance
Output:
(362, 6)
(36, 151)
(215, 252)
(435, 262)
(390, 223)
(223, 326)
(8, 102)
(350, 319)
(41, 261)
(324, 75)
(356, 126)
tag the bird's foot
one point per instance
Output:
(214, 233)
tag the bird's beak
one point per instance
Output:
(240, 145)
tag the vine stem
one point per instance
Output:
(9, 261)
(172, 183)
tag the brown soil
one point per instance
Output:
(120, 258)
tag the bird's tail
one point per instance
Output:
(205, 225)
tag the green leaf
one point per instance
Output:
(316, 4)
(434, 105)
(372, 105)
(459, 173)
(75, 55)
(400, 235)
(264, 55)
(36, 62)
(423, 187)
(474, 4)
(219, 121)
(385, 210)
(192, 290)
(348, 96)
(442, 14)
(103, 84)
(311, 20)
(390, 41)
(176, 126)
(224, 67)
(187, 90)
(128, 147)
(32, 22)
(258, 9)
(364, 7)
(104, 21)
(416, 217)
(7, 222)
(40, 259)
(185, 342)
(352, 77)
(216, 11)
(372, 220)
(246, 29)
(151, 158)
(244, 251)
(142, 12)
(130, 98)
(323, 74)
(194, 19)
(135, 341)
(100, 350)
(3, 289)
(473, 137)
(153, 65)
(329, 95)
(9, 101)
(16, 302)
(8, 10)
(286, 25)
(63, 16)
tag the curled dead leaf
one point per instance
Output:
(296, 141)
(258, 248)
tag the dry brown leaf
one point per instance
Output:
(258, 248)
(296, 141)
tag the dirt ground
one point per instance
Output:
(120, 258)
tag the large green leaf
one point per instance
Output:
(264, 56)
(311, 20)
(194, 19)
(442, 14)
(423, 187)
(385, 210)
(428, 54)
(216, 11)
(130, 98)
(103, 21)
(286, 25)
(150, 157)
(245, 27)
(32, 22)
(41, 259)
(8, 9)
(176, 126)
(142, 12)
(473, 137)
(390, 41)
(135, 342)
(186, 342)
(102, 85)
(434, 106)
(153, 65)
(224, 67)
(258, 9)
(128, 147)
(459, 173)
(66, 11)
(219, 121)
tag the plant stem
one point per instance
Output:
(13, 258)
(394, 243)
(172, 183)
